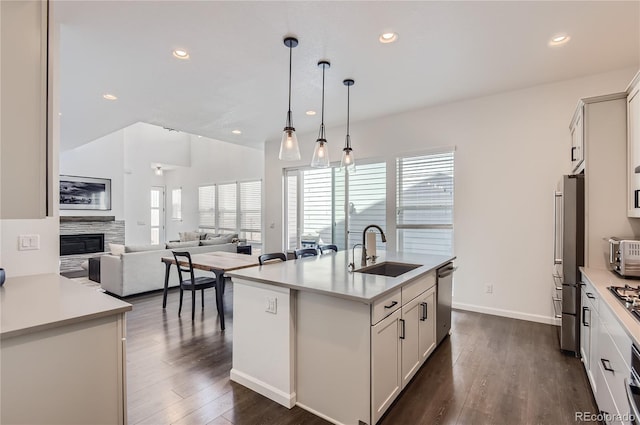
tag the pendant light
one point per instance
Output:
(321, 152)
(289, 150)
(348, 160)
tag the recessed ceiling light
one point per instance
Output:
(388, 37)
(310, 113)
(109, 96)
(181, 54)
(236, 131)
(559, 39)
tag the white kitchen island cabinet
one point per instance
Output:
(343, 345)
(62, 353)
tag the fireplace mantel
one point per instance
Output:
(85, 218)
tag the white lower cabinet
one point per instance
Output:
(606, 351)
(386, 375)
(400, 344)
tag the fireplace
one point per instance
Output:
(87, 243)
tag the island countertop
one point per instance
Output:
(34, 303)
(328, 274)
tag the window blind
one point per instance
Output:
(317, 201)
(227, 207)
(207, 207)
(251, 210)
(291, 226)
(425, 203)
(367, 201)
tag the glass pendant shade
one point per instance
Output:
(289, 150)
(348, 161)
(320, 154)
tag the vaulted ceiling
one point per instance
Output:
(237, 74)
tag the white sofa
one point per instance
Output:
(142, 271)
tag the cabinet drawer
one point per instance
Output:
(418, 286)
(616, 333)
(614, 371)
(385, 306)
(591, 294)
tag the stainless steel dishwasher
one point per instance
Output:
(444, 295)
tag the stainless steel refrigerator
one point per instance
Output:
(568, 253)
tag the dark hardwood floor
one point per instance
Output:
(491, 370)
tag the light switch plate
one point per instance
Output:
(28, 242)
(271, 305)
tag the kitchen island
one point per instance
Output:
(62, 353)
(340, 344)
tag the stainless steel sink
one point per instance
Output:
(389, 269)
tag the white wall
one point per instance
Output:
(212, 161)
(511, 148)
(101, 158)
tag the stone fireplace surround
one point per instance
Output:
(75, 225)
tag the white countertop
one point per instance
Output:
(33, 303)
(601, 280)
(327, 274)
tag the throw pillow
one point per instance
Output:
(172, 245)
(209, 236)
(189, 236)
(142, 248)
(229, 237)
(116, 248)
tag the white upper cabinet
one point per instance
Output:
(577, 139)
(25, 171)
(633, 148)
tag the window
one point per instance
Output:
(251, 210)
(227, 208)
(232, 208)
(176, 204)
(329, 206)
(207, 207)
(335, 207)
(425, 203)
(156, 223)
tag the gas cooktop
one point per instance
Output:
(629, 296)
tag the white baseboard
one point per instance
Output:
(507, 313)
(272, 393)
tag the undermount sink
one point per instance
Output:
(389, 269)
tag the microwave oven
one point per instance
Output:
(624, 256)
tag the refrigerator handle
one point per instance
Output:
(556, 231)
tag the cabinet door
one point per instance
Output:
(386, 376)
(577, 140)
(633, 153)
(409, 335)
(25, 179)
(427, 324)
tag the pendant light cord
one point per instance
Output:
(290, 51)
(348, 109)
(322, 116)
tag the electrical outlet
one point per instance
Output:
(489, 289)
(271, 305)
